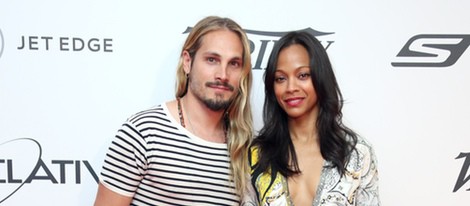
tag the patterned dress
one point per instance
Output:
(357, 187)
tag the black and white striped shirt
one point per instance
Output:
(158, 162)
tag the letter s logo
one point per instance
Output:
(428, 50)
(1, 43)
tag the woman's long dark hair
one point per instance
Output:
(275, 147)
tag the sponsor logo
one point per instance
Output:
(463, 177)
(2, 43)
(65, 44)
(262, 42)
(432, 50)
(21, 163)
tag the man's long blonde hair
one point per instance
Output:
(239, 120)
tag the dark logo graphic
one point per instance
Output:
(2, 43)
(464, 177)
(21, 163)
(75, 44)
(36, 156)
(432, 50)
(261, 43)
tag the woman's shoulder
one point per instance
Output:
(253, 155)
(363, 155)
(363, 145)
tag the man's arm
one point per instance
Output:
(106, 197)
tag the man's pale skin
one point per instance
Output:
(219, 59)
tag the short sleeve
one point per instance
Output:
(368, 191)
(125, 162)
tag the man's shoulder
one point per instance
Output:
(157, 111)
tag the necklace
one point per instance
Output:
(180, 112)
(181, 115)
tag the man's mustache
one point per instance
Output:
(217, 83)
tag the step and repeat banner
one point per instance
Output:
(71, 72)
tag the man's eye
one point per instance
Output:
(210, 59)
(235, 64)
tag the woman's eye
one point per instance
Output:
(279, 79)
(304, 76)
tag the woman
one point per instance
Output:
(304, 155)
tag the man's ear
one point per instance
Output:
(186, 62)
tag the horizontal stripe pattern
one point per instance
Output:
(158, 162)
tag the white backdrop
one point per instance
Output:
(87, 65)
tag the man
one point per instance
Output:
(192, 150)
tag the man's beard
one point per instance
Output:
(216, 104)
